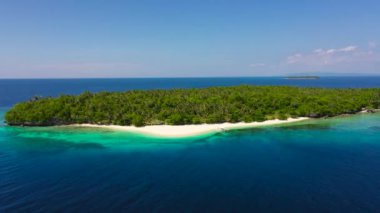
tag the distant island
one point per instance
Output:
(192, 106)
(301, 77)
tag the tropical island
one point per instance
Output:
(302, 77)
(245, 104)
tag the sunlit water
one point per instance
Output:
(330, 165)
(313, 166)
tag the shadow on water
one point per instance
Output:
(306, 127)
(285, 127)
(234, 132)
(52, 146)
(374, 128)
(44, 140)
(89, 146)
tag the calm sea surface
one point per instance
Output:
(329, 165)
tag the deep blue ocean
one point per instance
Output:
(324, 165)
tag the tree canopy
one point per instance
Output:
(192, 106)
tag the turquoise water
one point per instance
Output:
(329, 165)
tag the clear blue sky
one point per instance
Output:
(171, 38)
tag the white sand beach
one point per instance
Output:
(190, 130)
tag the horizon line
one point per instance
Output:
(184, 77)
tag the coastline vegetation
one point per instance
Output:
(192, 106)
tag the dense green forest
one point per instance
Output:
(192, 106)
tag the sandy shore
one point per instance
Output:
(190, 130)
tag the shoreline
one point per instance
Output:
(178, 131)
